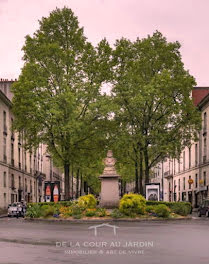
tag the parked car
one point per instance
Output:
(16, 209)
(204, 208)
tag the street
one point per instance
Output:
(146, 242)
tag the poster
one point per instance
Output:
(153, 191)
(52, 191)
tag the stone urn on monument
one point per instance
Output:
(109, 183)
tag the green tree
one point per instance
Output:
(153, 93)
(57, 98)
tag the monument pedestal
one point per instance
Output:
(109, 183)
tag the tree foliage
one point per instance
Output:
(57, 99)
(153, 93)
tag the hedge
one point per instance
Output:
(183, 208)
(63, 203)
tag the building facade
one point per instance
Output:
(22, 173)
(187, 178)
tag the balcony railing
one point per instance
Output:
(168, 174)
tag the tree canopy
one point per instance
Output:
(58, 100)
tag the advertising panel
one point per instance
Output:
(153, 191)
(52, 191)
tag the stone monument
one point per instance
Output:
(109, 183)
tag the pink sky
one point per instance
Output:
(182, 20)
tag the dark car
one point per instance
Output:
(204, 208)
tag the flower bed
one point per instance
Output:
(131, 206)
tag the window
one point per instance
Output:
(204, 149)
(184, 160)
(20, 183)
(205, 122)
(5, 199)
(189, 157)
(30, 163)
(174, 166)
(25, 155)
(19, 139)
(196, 180)
(196, 155)
(179, 166)
(12, 181)
(12, 154)
(34, 163)
(19, 157)
(184, 185)
(12, 133)
(5, 179)
(34, 188)
(190, 185)
(4, 121)
(204, 178)
(26, 187)
(5, 149)
(179, 185)
(30, 186)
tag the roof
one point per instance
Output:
(5, 99)
(199, 93)
(204, 101)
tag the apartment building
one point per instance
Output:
(187, 178)
(22, 173)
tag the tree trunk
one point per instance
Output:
(136, 178)
(72, 183)
(81, 184)
(121, 187)
(146, 162)
(77, 183)
(124, 187)
(67, 181)
(141, 173)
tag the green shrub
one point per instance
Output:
(132, 204)
(116, 214)
(150, 208)
(169, 204)
(101, 212)
(87, 201)
(33, 211)
(162, 210)
(76, 210)
(90, 212)
(180, 209)
(78, 216)
(47, 210)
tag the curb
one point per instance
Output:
(2, 216)
(89, 221)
